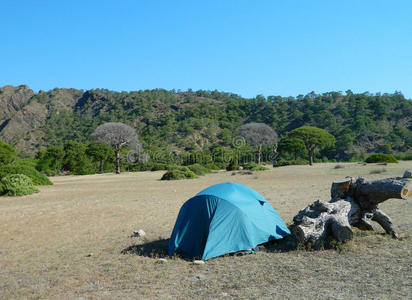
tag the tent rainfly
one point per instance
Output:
(224, 218)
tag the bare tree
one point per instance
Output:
(258, 134)
(117, 135)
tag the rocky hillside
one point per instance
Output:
(12, 99)
(190, 121)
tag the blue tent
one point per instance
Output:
(224, 218)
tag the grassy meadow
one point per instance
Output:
(73, 241)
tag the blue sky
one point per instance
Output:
(278, 47)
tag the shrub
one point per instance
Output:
(159, 167)
(178, 174)
(254, 167)
(7, 153)
(212, 166)
(233, 165)
(282, 162)
(259, 168)
(404, 156)
(140, 167)
(31, 162)
(18, 185)
(20, 168)
(381, 157)
(180, 168)
(2, 189)
(198, 169)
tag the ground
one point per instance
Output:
(67, 242)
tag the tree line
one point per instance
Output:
(196, 121)
(254, 143)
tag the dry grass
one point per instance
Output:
(67, 242)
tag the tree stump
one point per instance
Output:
(353, 203)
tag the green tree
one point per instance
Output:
(293, 145)
(55, 154)
(7, 153)
(75, 158)
(386, 149)
(99, 153)
(313, 138)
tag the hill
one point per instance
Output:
(190, 121)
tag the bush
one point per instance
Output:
(258, 168)
(212, 166)
(159, 167)
(2, 189)
(282, 162)
(31, 162)
(404, 156)
(7, 153)
(32, 173)
(233, 165)
(254, 167)
(18, 185)
(381, 157)
(198, 169)
(180, 168)
(178, 174)
(140, 167)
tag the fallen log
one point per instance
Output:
(353, 203)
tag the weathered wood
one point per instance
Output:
(315, 222)
(354, 203)
(340, 188)
(386, 222)
(370, 193)
(364, 222)
(341, 229)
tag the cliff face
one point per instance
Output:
(26, 114)
(12, 99)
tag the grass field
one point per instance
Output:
(66, 242)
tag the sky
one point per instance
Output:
(275, 47)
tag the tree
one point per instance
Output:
(117, 135)
(99, 152)
(290, 144)
(7, 153)
(56, 155)
(75, 158)
(258, 134)
(313, 138)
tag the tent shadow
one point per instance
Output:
(153, 249)
(286, 244)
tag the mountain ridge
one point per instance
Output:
(196, 120)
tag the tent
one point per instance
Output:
(224, 218)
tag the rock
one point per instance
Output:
(12, 99)
(24, 118)
(198, 262)
(89, 255)
(162, 260)
(139, 233)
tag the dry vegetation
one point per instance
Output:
(67, 241)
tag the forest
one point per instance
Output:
(186, 127)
